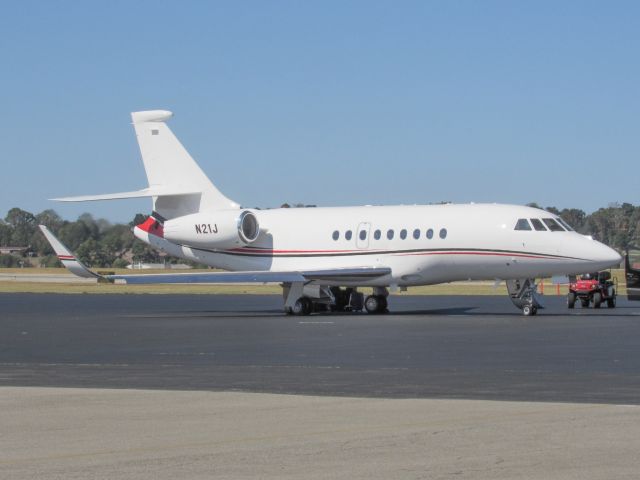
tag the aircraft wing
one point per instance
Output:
(334, 275)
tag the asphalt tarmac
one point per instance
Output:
(464, 347)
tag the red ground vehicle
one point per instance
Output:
(593, 288)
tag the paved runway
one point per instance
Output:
(430, 347)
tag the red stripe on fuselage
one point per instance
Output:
(267, 250)
(498, 254)
(338, 253)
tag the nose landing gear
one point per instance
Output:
(523, 294)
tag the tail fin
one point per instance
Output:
(169, 166)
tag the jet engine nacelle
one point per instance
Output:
(218, 230)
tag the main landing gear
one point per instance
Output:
(523, 294)
(377, 303)
(300, 299)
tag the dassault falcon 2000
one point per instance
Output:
(321, 256)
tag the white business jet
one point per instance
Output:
(321, 256)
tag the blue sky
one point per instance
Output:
(327, 103)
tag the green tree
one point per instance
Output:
(73, 234)
(553, 210)
(120, 263)
(91, 225)
(92, 254)
(574, 217)
(50, 219)
(144, 253)
(23, 224)
(50, 261)
(6, 232)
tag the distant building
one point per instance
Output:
(11, 250)
(166, 266)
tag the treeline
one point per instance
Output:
(617, 225)
(99, 243)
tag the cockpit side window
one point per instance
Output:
(523, 224)
(553, 225)
(565, 224)
(537, 224)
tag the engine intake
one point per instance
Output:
(248, 227)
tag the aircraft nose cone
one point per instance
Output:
(605, 256)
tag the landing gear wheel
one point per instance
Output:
(597, 300)
(571, 300)
(529, 310)
(302, 306)
(611, 302)
(372, 304)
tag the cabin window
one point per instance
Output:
(523, 224)
(553, 225)
(403, 234)
(336, 235)
(347, 235)
(430, 233)
(363, 234)
(377, 234)
(443, 233)
(390, 234)
(416, 233)
(537, 224)
(565, 224)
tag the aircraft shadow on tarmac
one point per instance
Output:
(451, 311)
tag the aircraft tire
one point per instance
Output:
(302, 306)
(529, 310)
(372, 304)
(611, 302)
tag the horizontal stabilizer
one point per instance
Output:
(145, 192)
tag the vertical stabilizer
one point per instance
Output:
(169, 166)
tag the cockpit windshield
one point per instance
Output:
(553, 225)
(565, 224)
(538, 225)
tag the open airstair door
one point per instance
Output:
(632, 273)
